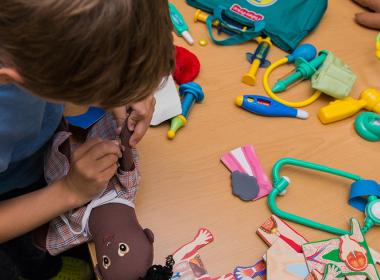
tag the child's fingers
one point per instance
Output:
(106, 162)
(104, 148)
(371, 20)
(374, 5)
(133, 119)
(138, 133)
(83, 149)
(120, 114)
(109, 172)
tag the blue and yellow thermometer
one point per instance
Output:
(265, 106)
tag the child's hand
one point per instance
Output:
(139, 118)
(93, 164)
(369, 19)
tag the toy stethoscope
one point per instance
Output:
(359, 189)
(301, 55)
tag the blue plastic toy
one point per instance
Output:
(266, 106)
(191, 93)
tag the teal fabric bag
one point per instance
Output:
(286, 22)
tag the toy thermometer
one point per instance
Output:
(266, 106)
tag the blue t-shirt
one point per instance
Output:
(26, 125)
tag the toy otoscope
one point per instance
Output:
(341, 109)
(191, 93)
(306, 66)
(179, 24)
(359, 189)
(266, 106)
(258, 59)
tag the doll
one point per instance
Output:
(124, 250)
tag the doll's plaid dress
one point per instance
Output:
(71, 228)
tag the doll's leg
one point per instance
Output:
(123, 249)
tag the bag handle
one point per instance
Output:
(240, 37)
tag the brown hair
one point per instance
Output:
(105, 52)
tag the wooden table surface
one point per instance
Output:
(185, 187)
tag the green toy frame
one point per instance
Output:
(280, 183)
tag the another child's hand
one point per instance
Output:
(93, 164)
(369, 19)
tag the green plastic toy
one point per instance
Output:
(280, 183)
(367, 125)
(334, 77)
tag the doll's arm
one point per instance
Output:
(126, 162)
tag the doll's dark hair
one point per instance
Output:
(159, 272)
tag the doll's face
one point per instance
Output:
(125, 256)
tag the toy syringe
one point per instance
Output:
(258, 59)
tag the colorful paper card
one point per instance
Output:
(188, 264)
(284, 263)
(258, 271)
(245, 160)
(349, 254)
(274, 228)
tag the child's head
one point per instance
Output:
(105, 52)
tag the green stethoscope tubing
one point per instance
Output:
(280, 183)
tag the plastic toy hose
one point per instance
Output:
(280, 183)
(271, 94)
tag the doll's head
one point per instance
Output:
(124, 250)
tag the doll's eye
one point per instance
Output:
(106, 262)
(123, 249)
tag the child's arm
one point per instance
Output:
(93, 164)
(369, 19)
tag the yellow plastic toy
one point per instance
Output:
(258, 59)
(347, 107)
(378, 46)
(202, 17)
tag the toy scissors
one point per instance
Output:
(360, 188)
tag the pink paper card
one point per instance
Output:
(245, 160)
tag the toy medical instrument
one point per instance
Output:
(359, 189)
(266, 106)
(257, 59)
(307, 52)
(304, 70)
(191, 93)
(180, 26)
(367, 125)
(341, 109)
(378, 46)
